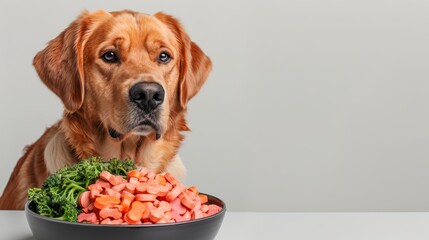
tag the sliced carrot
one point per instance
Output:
(174, 192)
(84, 199)
(187, 201)
(160, 179)
(119, 207)
(121, 179)
(177, 206)
(90, 207)
(127, 199)
(127, 195)
(110, 213)
(156, 214)
(151, 182)
(185, 217)
(106, 221)
(151, 175)
(167, 218)
(95, 187)
(197, 205)
(116, 180)
(204, 208)
(171, 179)
(112, 192)
(191, 194)
(165, 206)
(105, 175)
(134, 173)
(131, 188)
(197, 214)
(194, 190)
(144, 171)
(152, 190)
(162, 191)
(119, 187)
(169, 186)
(145, 197)
(129, 221)
(136, 211)
(103, 184)
(133, 180)
(213, 209)
(141, 187)
(143, 179)
(106, 201)
(146, 213)
(94, 194)
(203, 198)
(87, 217)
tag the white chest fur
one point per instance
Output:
(57, 154)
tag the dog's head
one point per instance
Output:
(134, 71)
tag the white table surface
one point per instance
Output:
(294, 226)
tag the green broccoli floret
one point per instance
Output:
(41, 200)
(70, 213)
(51, 181)
(90, 170)
(66, 210)
(118, 167)
(69, 182)
(59, 195)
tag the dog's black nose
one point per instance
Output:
(147, 95)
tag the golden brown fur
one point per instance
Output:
(95, 95)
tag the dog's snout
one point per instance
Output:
(147, 95)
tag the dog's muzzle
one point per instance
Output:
(147, 98)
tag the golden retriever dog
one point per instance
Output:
(125, 79)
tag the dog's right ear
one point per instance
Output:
(61, 64)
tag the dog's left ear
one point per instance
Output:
(60, 64)
(195, 66)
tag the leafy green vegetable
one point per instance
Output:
(58, 197)
(118, 167)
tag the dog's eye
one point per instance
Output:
(164, 57)
(110, 57)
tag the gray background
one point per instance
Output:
(311, 106)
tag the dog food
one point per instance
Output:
(143, 198)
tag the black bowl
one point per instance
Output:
(45, 228)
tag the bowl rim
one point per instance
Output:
(208, 218)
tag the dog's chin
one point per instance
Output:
(143, 130)
(140, 130)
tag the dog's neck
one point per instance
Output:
(133, 147)
(74, 140)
